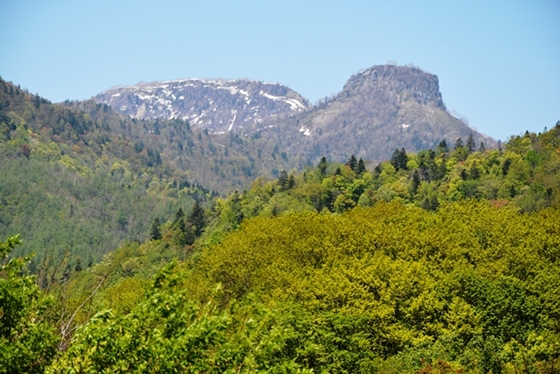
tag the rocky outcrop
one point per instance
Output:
(379, 110)
(220, 106)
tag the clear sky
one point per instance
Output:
(498, 62)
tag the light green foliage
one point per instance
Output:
(27, 341)
(168, 333)
(441, 261)
(394, 283)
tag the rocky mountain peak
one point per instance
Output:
(218, 105)
(406, 81)
(380, 109)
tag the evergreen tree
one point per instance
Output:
(352, 162)
(361, 167)
(442, 147)
(180, 214)
(155, 234)
(415, 182)
(78, 266)
(399, 159)
(184, 233)
(197, 218)
(291, 182)
(458, 143)
(474, 172)
(283, 180)
(322, 167)
(482, 148)
(470, 143)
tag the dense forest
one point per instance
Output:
(442, 261)
(78, 179)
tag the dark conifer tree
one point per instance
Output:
(474, 172)
(184, 235)
(283, 180)
(399, 159)
(197, 218)
(180, 214)
(470, 143)
(291, 182)
(361, 167)
(352, 162)
(415, 182)
(322, 167)
(155, 234)
(78, 266)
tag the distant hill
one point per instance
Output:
(379, 109)
(220, 106)
(82, 178)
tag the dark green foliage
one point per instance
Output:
(352, 163)
(415, 182)
(178, 216)
(197, 219)
(399, 159)
(184, 233)
(470, 144)
(322, 167)
(155, 233)
(442, 147)
(283, 180)
(78, 266)
(361, 168)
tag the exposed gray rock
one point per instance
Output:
(380, 109)
(220, 106)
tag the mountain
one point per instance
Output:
(77, 178)
(220, 106)
(380, 109)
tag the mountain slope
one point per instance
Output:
(220, 106)
(378, 110)
(82, 178)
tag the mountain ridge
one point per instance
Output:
(380, 109)
(219, 105)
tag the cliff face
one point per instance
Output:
(390, 80)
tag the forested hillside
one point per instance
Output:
(78, 178)
(523, 174)
(444, 261)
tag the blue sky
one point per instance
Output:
(498, 62)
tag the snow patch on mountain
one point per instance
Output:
(221, 106)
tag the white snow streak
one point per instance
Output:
(234, 112)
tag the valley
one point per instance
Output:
(204, 225)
